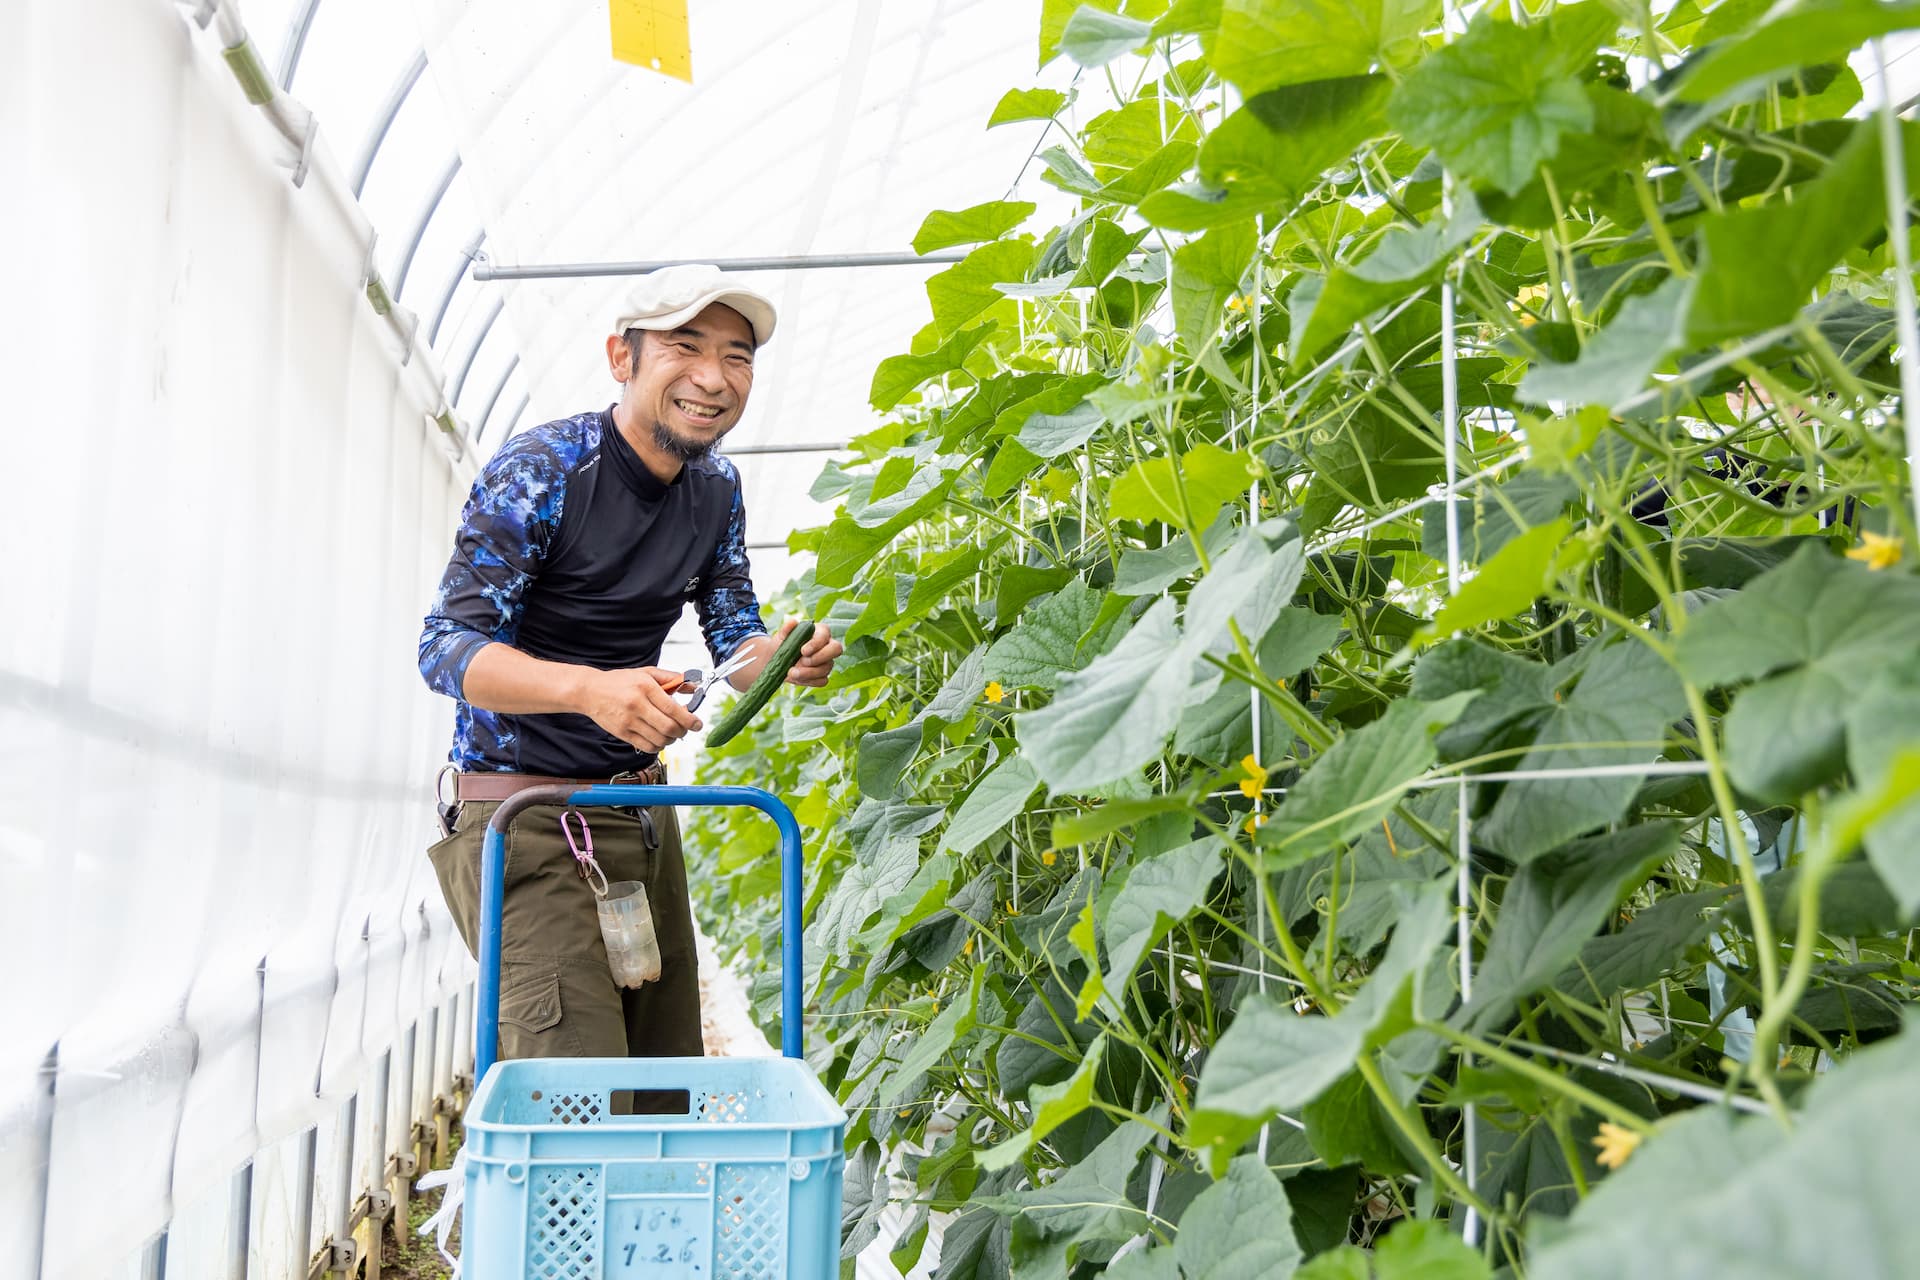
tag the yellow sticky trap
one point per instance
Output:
(653, 34)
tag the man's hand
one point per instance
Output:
(633, 705)
(816, 655)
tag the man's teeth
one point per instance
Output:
(697, 411)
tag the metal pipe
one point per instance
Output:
(466, 361)
(467, 255)
(377, 131)
(378, 1203)
(296, 43)
(463, 1042)
(1906, 310)
(297, 126)
(802, 262)
(292, 121)
(239, 1222)
(305, 1177)
(822, 446)
(420, 224)
(32, 1251)
(480, 423)
(340, 1215)
(153, 1258)
(526, 398)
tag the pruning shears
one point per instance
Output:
(701, 682)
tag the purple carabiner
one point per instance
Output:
(583, 858)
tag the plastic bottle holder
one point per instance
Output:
(653, 1169)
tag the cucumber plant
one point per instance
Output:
(1381, 724)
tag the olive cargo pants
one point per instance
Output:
(557, 995)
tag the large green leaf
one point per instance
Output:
(1151, 490)
(927, 894)
(1026, 104)
(1124, 402)
(1800, 239)
(1135, 185)
(1020, 583)
(1060, 635)
(1345, 1125)
(965, 289)
(1555, 904)
(1615, 363)
(1616, 714)
(1219, 729)
(1814, 633)
(886, 838)
(1053, 1106)
(1273, 1058)
(1497, 513)
(1117, 140)
(1094, 37)
(1089, 1200)
(1518, 574)
(1495, 102)
(1654, 944)
(1358, 781)
(942, 229)
(1880, 726)
(1801, 34)
(993, 803)
(1239, 1227)
(926, 1049)
(1261, 44)
(1248, 585)
(1158, 893)
(849, 546)
(896, 377)
(1270, 153)
(1206, 273)
(1416, 1249)
(1405, 260)
(1717, 1194)
(1427, 1250)
(1110, 719)
(1048, 435)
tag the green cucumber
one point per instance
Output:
(748, 704)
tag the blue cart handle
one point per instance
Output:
(493, 863)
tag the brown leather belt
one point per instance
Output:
(499, 786)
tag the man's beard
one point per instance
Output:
(679, 446)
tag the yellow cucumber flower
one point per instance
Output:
(1875, 551)
(1616, 1144)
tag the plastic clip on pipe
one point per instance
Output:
(493, 858)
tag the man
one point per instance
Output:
(582, 541)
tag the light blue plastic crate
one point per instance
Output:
(741, 1179)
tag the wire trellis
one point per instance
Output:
(1460, 483)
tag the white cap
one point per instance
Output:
(671, 296)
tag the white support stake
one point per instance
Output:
(1894, 168)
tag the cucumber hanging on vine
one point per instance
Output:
(748, 704)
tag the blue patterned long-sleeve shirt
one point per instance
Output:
(569, 549)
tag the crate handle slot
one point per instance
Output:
(650, 1102)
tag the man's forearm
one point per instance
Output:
(501, 678)
(761, 647)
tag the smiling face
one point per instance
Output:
(686, 387)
